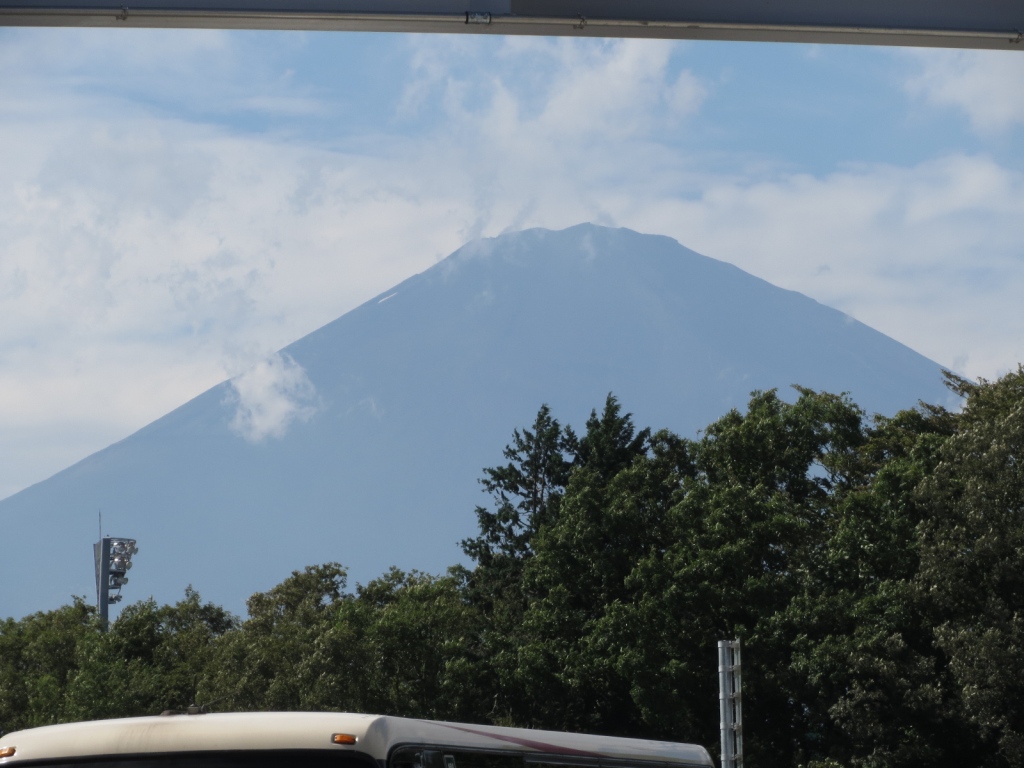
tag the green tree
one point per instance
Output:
(418, 644)
(404, 644)
(526, 493)
(154, 657)
(573, 667)
(39, 655)
(744, 530)
(611, 441)
(875, 687)
(874, 572)
(972, 568)
(654, 559)
(269, 662)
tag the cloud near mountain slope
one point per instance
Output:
(270, 396)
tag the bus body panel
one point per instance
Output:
(376, 736)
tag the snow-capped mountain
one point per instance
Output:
(362, 442)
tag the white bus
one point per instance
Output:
(325, 740)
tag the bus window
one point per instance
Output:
(414, 757)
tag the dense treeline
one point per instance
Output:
(873, 568)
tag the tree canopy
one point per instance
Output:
(872, 567)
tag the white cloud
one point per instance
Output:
(987, 86)
(141, 255)
(144, 251)
(927, 254)
(612, 89)
(685, 95)
(615, 90)
(270, 396)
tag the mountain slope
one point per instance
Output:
(416, 391)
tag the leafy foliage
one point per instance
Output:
(972, 570)
(873, 568)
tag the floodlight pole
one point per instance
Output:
(101, 549)
(113, 560)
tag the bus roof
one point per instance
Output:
(375, 735)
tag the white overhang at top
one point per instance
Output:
(994, 24)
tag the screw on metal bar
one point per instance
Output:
(582, 24)
(123, 15)
(478, 18)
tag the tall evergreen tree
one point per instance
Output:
(611, 441)
(526, 493)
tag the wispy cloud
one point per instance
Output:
(269, 397)
(926, 253)
(986, 86)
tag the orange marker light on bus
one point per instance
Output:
(343, 738)
(7, 751)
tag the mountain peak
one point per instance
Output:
(362, 442)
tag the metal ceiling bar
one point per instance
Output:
(999, 27)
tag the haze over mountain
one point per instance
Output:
(362, 442)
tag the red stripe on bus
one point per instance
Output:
(540, 746)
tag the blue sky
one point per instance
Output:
(175, 205)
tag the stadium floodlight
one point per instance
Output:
(113, 561)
